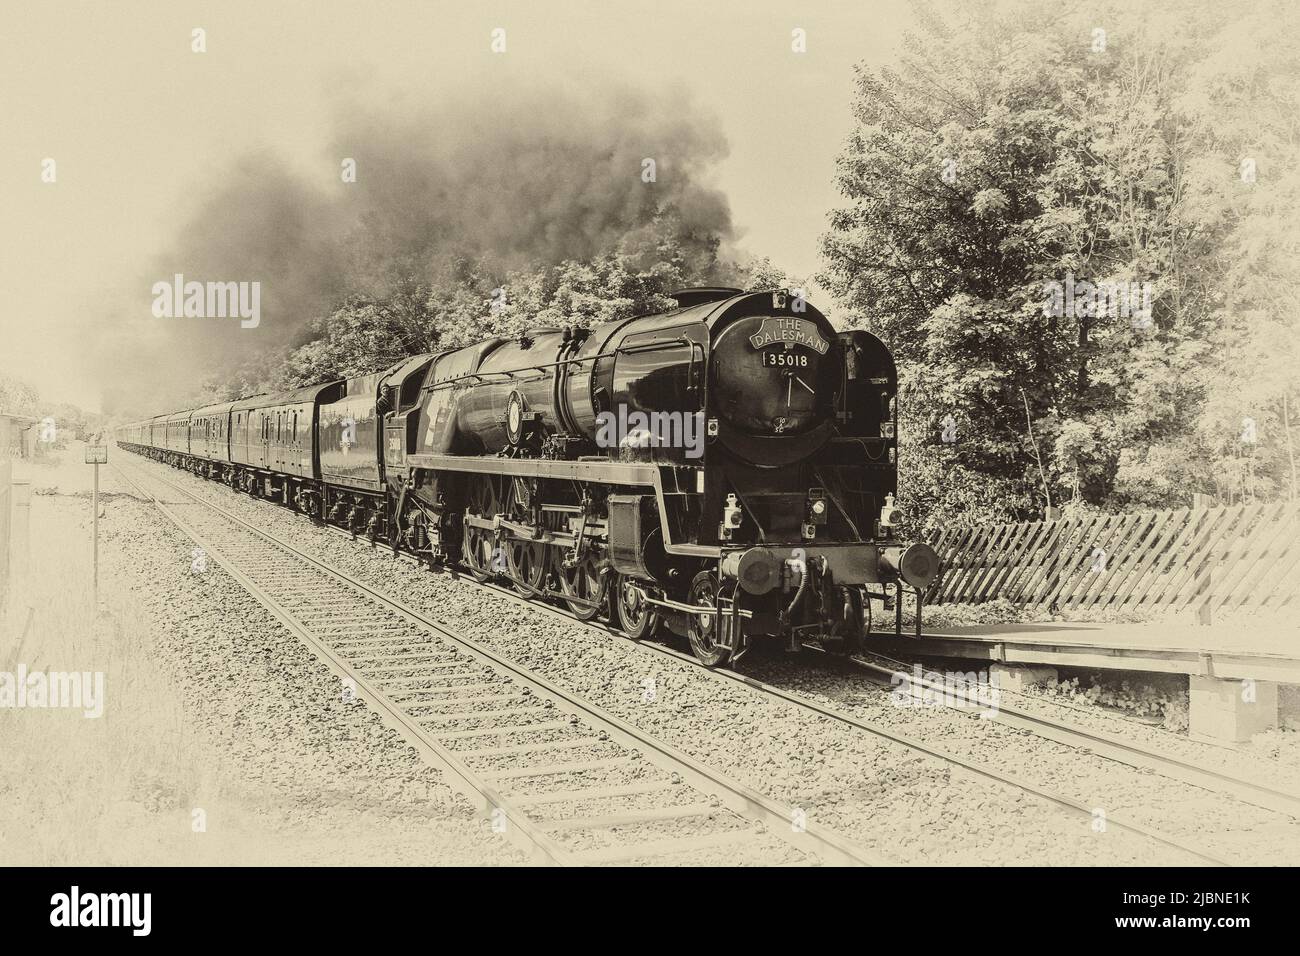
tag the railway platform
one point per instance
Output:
(1233, 670)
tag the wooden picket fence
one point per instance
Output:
(1201, 559)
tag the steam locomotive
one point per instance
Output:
(725, 470)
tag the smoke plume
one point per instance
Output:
(511, 181)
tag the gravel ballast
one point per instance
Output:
(312, 774)
(909, 808)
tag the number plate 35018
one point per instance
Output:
(783, 359)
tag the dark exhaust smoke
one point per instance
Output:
(505, 182)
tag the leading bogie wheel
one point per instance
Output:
(702, 629)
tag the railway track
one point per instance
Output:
(1070, 804)
(558, 776)
(1132, 754)
(882, 670)
(1111, 746)
(1122, 751)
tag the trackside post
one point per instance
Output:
(96, 455)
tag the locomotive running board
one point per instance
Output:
(605, 470)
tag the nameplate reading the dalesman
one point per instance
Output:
(789, 332)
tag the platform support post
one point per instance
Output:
(1230, 711)
(1018, 678)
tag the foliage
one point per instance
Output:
(19, 398)
(1157, 698)
(1014, 151)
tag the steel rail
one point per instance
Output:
(1114, 747)
(817, 844)
(808, 704)
(992, 773)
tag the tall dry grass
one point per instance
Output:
(77, 790)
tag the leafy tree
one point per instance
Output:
(1244, 188)
(18, 398)
(1018, 158)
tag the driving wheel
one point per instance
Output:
(631, 611)
(581, 587)
(527, 560)
(702, 629)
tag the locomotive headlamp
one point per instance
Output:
(732, 514)
(816, 513)
(817, 506)
(779, 299)
(889, 514)
(917, 564)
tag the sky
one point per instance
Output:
(139, 125)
